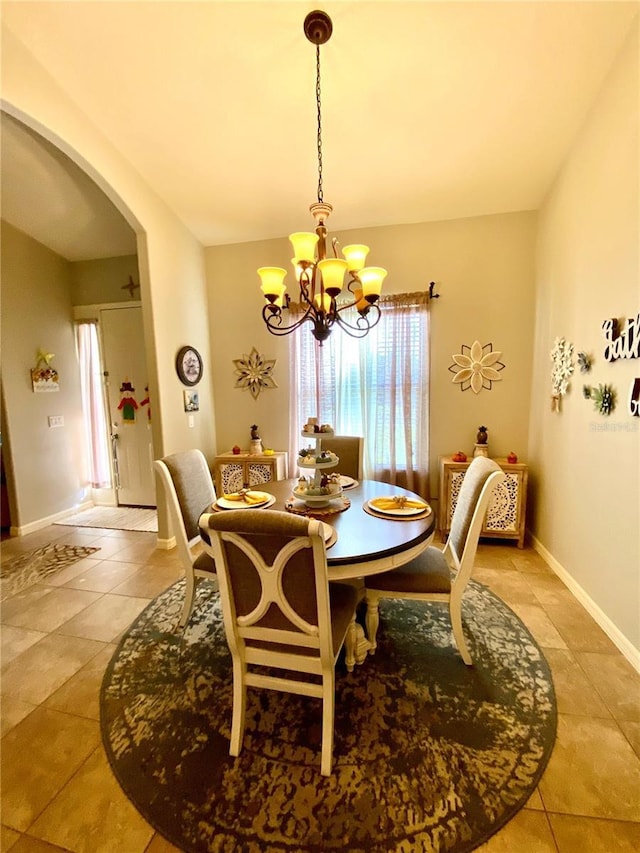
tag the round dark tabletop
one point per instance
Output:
(366, 544)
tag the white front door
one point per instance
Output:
(129, 409)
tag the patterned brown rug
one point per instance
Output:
(429, 755)
(21, 572)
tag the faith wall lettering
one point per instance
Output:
(624, 344)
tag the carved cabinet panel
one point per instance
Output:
(506, 513)
(232, 472)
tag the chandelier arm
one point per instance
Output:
(364, 323)
(273, 321)
(353, 280)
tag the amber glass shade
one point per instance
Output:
(361, 303)
(297, 268)
(356, 255)
(333, 270)
(322, 301)
(272, 279)
(371, 279)
(304, 245)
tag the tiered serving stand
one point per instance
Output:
(318, 501)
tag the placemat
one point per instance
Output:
(296, 506)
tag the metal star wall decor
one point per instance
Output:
(476, 367)
(254, 372)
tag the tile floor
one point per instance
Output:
(58, 636)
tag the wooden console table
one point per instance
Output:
(234, 471)
(506, 513)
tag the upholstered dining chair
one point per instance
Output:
(280, 611)
(349, 449)
(189, 491)
(441, 575)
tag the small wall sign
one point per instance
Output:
(43, 376)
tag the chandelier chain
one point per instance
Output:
(318, 93)
(320, 279)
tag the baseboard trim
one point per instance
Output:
(32, 526)
(166, 544)
(616, 636)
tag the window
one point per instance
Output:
(376, 386)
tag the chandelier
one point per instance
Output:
(322, 297)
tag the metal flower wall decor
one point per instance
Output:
(604, 398)
(476, 367)
(254, 372)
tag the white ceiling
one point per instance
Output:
(431, 110)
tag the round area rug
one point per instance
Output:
(429, 755)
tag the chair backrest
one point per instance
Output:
(349, 449)
(481, 478)
(272, 570)
(189, 491)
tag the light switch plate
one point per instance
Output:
(56, 421)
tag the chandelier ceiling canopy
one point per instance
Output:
(322, 296)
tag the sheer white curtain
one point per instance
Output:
(377, 387)
(95, 419)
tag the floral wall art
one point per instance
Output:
(254, 372)
(562, 370)
(476, 367)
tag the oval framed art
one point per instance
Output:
(189, 365)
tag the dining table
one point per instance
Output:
(366, 542)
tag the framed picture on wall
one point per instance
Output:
(191, 401)
(189, 365)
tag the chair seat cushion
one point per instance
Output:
(204, 563)
(427, 573)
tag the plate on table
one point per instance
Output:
(402, 511)
(260, 500)
(348, 482)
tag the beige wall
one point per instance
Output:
(171, 263)
(172, 278)
(47, 472)
(586, 467)
(485, 274)
(102, 280)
